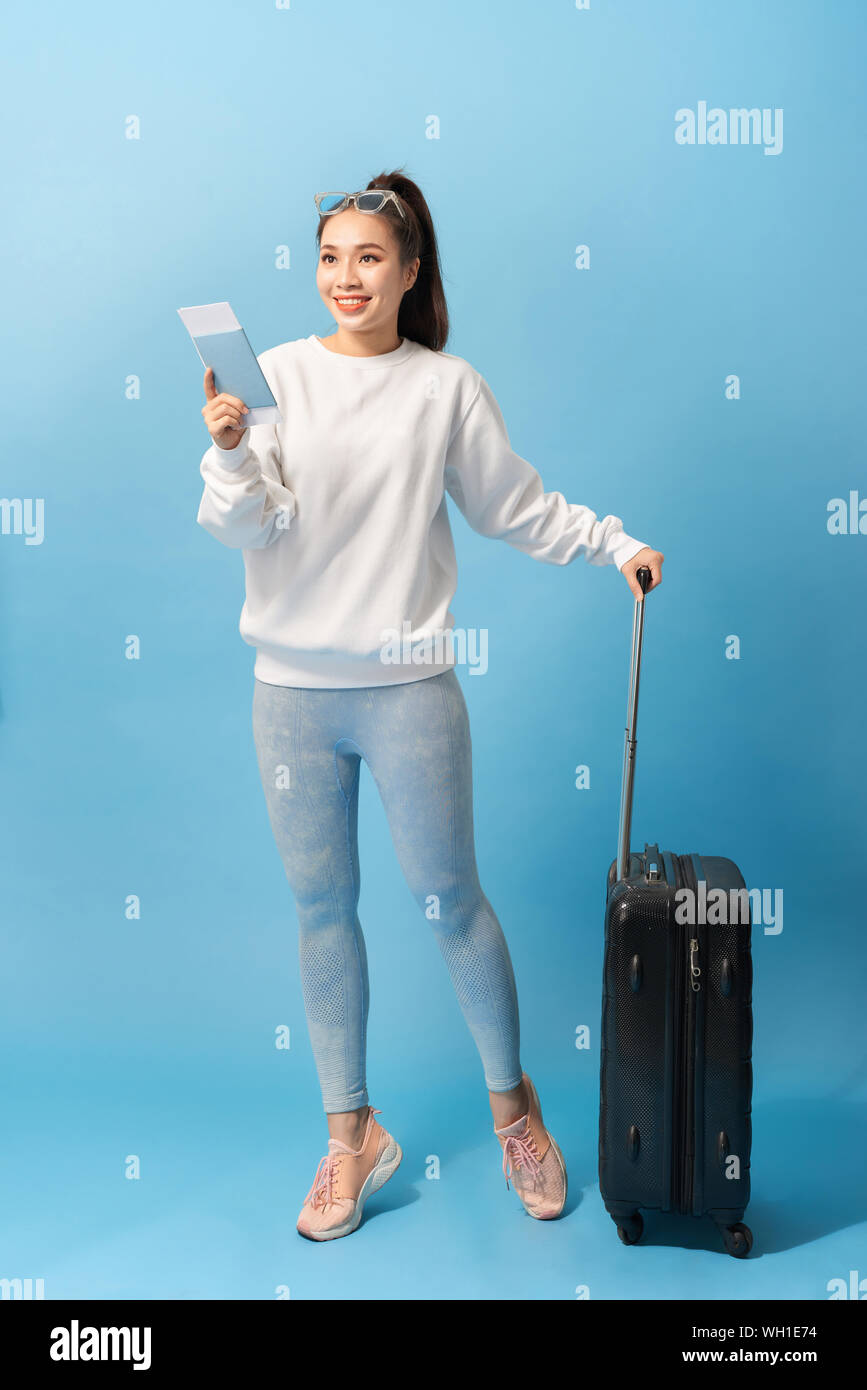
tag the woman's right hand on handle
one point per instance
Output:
(222, 414)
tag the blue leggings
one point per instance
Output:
(415, 739)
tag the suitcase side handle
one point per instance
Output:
(643, 576)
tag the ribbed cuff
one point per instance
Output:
(232, 460)
(622, 547)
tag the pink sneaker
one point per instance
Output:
(345, 1179)
(533, 1158)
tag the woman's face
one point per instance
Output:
(358, 258)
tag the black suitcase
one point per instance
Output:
(677, 1028)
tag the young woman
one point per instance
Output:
(341, 515)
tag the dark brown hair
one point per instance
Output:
(423, 315)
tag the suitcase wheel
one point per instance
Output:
(738, 1240)
(631, 1230)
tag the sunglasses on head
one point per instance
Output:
(370, 200)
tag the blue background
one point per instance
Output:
(156, 1037)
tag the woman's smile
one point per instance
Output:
(352, 304)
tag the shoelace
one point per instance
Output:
(519, 1150)
(322, 1191)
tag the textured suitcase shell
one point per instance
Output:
(639, 1074)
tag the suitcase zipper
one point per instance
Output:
(677, 1121)
(695, 986)
(688, 972)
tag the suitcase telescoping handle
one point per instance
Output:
(643, 577)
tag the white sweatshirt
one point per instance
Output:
(340, 511)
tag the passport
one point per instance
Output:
(222, 344)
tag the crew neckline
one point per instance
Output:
(379, 359)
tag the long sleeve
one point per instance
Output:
(245, 503)
(502, 496)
